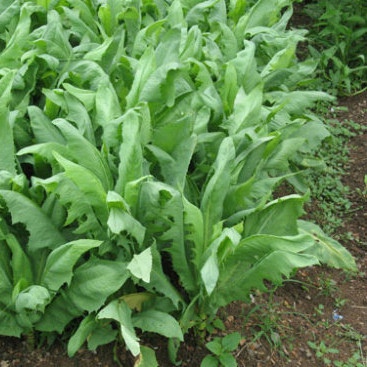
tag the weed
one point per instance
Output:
(269, 327)
(322, 351)
(327, 286)
(337, 38)
(347, 331)
(221, 349)
(329, 194)
(320, 310)
(340, 302)
(357, 360)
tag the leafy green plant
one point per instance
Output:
(221, 349)
(322, 351)
(141, 146)
(357, 359)
(337, 35)
(329, 194)
(268, 326)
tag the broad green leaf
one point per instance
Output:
(7, 157)
(9, 325)
(231, 341)
(210, 361)
(175, 14)
(297, 101)
(6, 285)
(174, 167)
(5, 87)
(215, 10)
(240, 275)
(160, 86)
(54, 209)
(85, 153)
(80, 27)
(108, 13)
(230, 88)
(214, 346)
(58, 314)
(88, 183)
(8, 10)
(19, 40)
(94, 281)
(80, 211)
(246, 110)
(85, 328)
(43, 233)
(97, 54)
(245, 65)
(263, 13)
(247, 197)
(20, 263)
(228, 360)
(314, 132)
(161, 211)
(145, 68)
(91, 284)
(281, 60)
(46, 151)
(132, 19)
(119, 311)
(213, 257)
(210, 274)
(158, 322)
(146, 358)
(42, 127)
(60, 262)
(148, 36)
(212, 201)
(194, 226)
(23, 86)
(86, 96)
(279, 217)
(141, 265)
(120, 221)
(107, 104)
(101, 335)
(131, 154)
(92, 331)
(326, 249)
(78, 114)
(160, 283)
(55, 39)
(284, 152)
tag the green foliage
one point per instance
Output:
(221, 349)
(143, 143)
(337, 38)
(323, 352)
(329, 194)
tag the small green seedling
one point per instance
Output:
(322, 351)
(221, 349)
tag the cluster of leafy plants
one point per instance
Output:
(337, 38)
(142, 142)
(329, 193)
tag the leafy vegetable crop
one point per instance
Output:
(142, 142)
